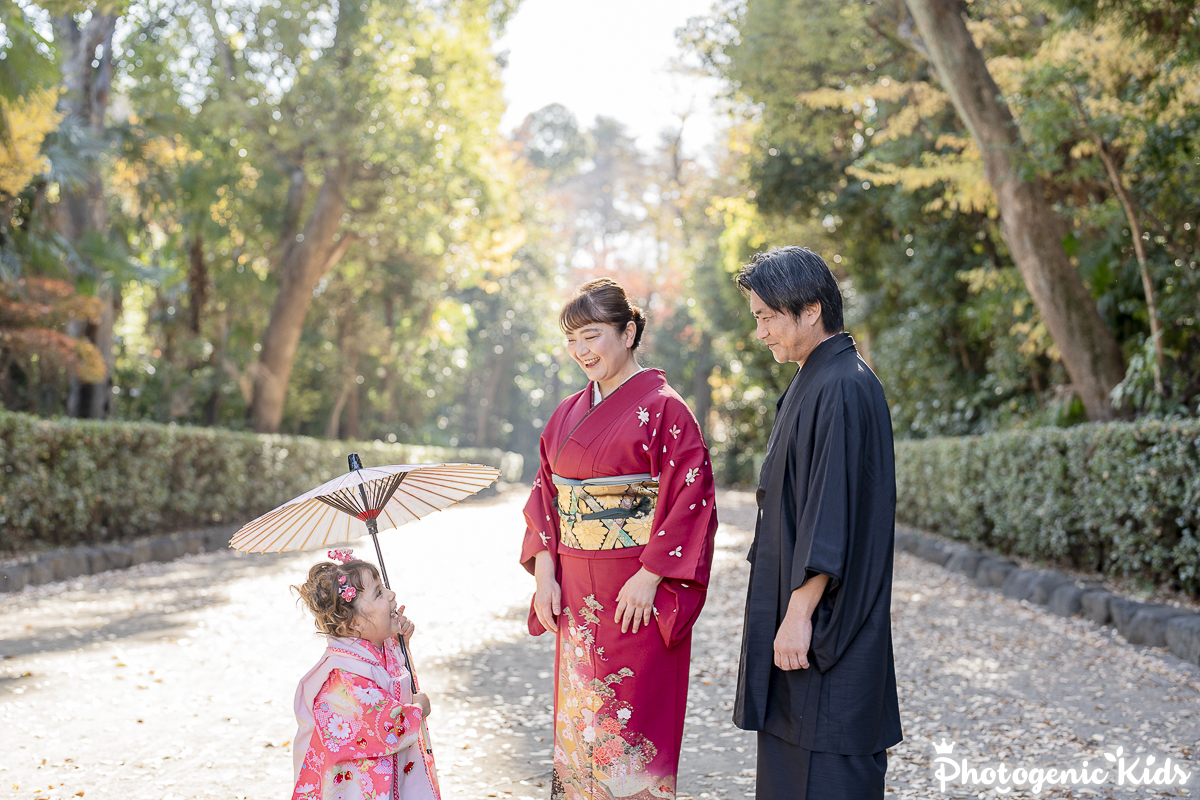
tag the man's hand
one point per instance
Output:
(547, 600)
(794, 636)
(635, 601)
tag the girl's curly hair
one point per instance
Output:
(322, 594)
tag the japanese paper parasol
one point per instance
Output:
(345, 508)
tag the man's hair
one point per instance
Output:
(790, 279)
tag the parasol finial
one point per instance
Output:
(355, 462)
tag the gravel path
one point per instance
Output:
(176, 680)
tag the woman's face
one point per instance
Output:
(375, 614)
(601, 349)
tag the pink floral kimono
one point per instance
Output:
(351, 745)
(623, 483)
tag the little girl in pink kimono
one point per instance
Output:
(360, 722)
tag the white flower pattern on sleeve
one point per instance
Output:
(338, 727)
(367, 695)
(677, 552)
(675, 431)
(643, 416)
(691, 476)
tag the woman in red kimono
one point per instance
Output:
(619, 535)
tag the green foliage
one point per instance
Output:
(26, 63)
(1165, 25)
(1120, 498)
(851, 148)
(71, 482)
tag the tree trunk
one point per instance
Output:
(1135, 229)
(1034, 233)
(98, 396)
(305, 257)
(87, 69)
(1139, 249)
(335, 416)
(212, 406)
(315, 252)
(197, 283)
(81, 208)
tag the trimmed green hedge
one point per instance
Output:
(1118, 498)
(66, 482)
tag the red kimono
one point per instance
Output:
(620, 698)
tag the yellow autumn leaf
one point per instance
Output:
(30, 119)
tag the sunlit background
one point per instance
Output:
(360, 222)
(240, 239)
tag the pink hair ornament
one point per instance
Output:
(348, 593)
(342, 556)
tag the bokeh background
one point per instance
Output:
(359, 219)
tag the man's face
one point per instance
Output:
(788, 338)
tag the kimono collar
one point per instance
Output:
(827, 349)
(788, 405)
(832, 346)
(600, 418)
(357, 648)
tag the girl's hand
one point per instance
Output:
(635, 601)
(421, 699)
(403, 626)
(547, 600)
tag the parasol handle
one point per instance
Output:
(373, 529)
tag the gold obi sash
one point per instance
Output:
(606, 513)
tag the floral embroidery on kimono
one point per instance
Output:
(360, 729)
(620, 698)
(602, 755)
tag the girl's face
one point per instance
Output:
(375, 615)
(601, 350)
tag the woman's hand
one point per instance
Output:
(421, 699)
(547, 600)
(403, 626)
(635, 601)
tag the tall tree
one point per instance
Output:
(1033, 231)
(85, 43)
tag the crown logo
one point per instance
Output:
(944, 749)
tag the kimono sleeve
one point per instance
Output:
(838, 546)
(355, 718)
(685, 521)
(541, 512)
(685, 516)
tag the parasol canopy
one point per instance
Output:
(350, 506)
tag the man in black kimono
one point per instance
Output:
(816, 679)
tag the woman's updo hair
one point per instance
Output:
(322, 594)
(602, 300)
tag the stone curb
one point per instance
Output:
(1151, 624)
(72, 562)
